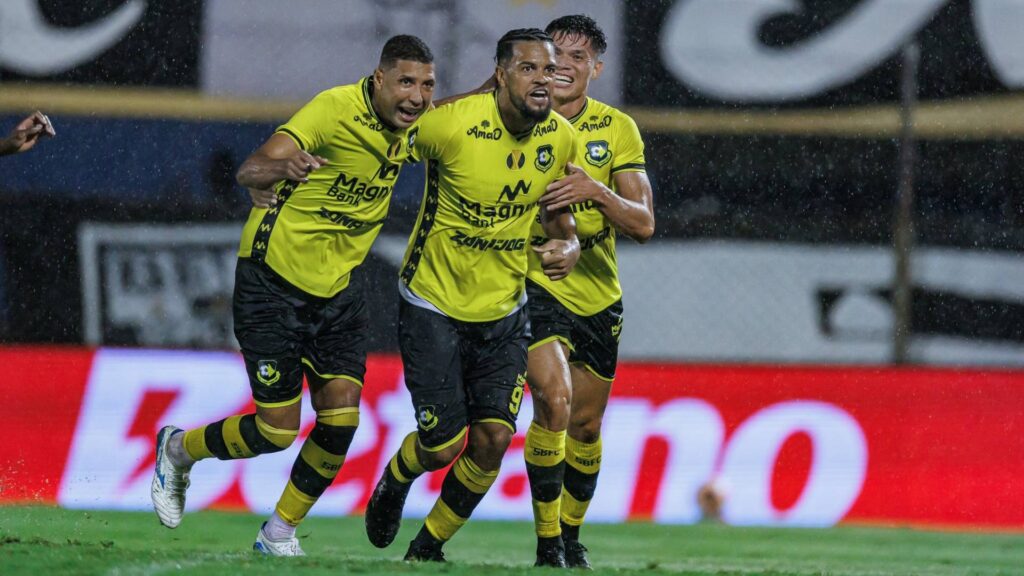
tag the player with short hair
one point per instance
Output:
(333, 166)
(463, 329)
(577, 322)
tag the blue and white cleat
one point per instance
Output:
(287, 547)
(169, 482)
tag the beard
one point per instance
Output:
(534, 114)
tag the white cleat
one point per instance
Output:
(287, 547)
(169, 482)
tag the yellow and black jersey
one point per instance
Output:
(468, 252)
(322, 229)
(608, 143)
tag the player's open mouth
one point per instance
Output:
(562, 80)
(539, 96)
(408, 114)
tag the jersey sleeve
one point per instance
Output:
(630, 154)
(433, 136)
(312, 126)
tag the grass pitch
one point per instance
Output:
(44, 540)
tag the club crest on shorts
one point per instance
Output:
(545, 158)
(598, 153)
(267, 372)
(426, 417)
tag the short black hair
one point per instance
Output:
(405, 47)
(504, 51)
(580, 25)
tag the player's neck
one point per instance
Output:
(571, 108)
(376, 108)
(514, 120)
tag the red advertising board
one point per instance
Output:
(801, 446)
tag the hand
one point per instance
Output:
(558, 257)
(575, 187)
(27, 133)
(298, 166)
(263, 198)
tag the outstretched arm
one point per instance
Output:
(631, 211)
(26, 134)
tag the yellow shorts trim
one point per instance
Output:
(590, 369)
(555, 338)
(458, 438)
(278, 404)
(498, 421)
(308, 364)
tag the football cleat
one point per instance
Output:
(550, 552)
(169, 482)
(576, 555)
(425, 548)
(384, 510)
(287, 547)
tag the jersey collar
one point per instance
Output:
(586, 104)
(367, 90)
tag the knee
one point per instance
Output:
(490, 441)
(551, 406)
(435, 460)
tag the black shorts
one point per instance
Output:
(283, 332)
(592, 340)
(461, 372)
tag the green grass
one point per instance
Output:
(40, 541)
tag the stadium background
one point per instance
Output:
(758, 347)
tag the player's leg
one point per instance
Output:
(495, 373)
(582, 458)
(266, 328)
(335, 365)
(432, 360)
(593, 371)
(544, 452)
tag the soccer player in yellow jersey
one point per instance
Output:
(576, 323)
(463, 330)
(333, 166)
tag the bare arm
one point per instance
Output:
(559, 254)
(279, 158)
(631, 211)
(26, 134)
